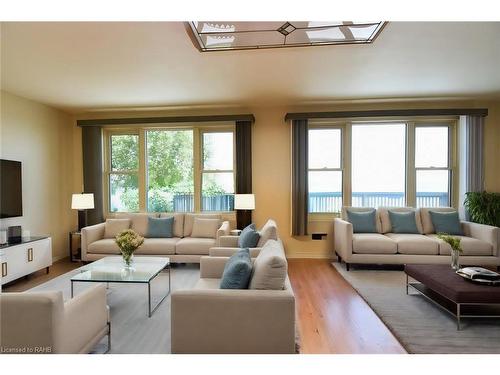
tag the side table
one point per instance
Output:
(75, 247)
(235, 232)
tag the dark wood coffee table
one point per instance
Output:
(459, 297)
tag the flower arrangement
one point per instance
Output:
(128, 241)
(456, 248)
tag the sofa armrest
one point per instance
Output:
(85, 316)
(228, 241)
(224, 230)
(204, 321)
(229, 251)
(487, 233)
(342, 233)
(212, 267)
(91, 234)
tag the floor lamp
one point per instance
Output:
(82, 202)
(244, 204)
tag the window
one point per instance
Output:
(170, 182)
(378, 165)
(325, 170)
(123, 173)
(432, 166)
(217, 171)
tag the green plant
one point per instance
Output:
(483, 207)
(454, 242)
(128, 241)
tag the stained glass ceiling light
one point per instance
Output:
(220, 36)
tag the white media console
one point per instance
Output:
(30, 255)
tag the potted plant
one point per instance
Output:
(456, 249)
(483, 207)
(128, 241)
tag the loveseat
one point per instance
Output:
(184, 246)
(480, 243)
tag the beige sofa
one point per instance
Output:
(228, 245)
(480, 242)
(182, 247)
(207, 319)
(41, 323)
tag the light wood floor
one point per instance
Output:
(332, 317)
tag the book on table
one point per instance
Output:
(475, 273)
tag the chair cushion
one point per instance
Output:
(158, 246)
(194, 246)
(385, 220)
(425, 217)
(363, 222)
(446, 222)
(270, 267)
(373, 243)
(403, 222)
(249, 237)
(237, 271)
(178, 228)
(470, 246)
(414, 244)
(268, 232)
(189, 221)
(160, 227)
(205, 228)
(139, 221)
(113, 227)
(105, 246)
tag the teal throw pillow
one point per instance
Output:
(403, 222)
(446, 222)
(237, 271)
(249, 237)
(362, 221)
(160, 227)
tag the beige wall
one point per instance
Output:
(43, 139)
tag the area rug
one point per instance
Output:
(419, 325)
(132, 331)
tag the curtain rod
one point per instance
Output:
(388, 113)
(163, 120)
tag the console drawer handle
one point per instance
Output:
(4, 269)
(30, 254)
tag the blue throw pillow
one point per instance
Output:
(363, 221)
(403, 222)
(446, 222)
(237, 271)
(160, 228)
(249, 237)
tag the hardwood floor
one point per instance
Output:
(332, 317)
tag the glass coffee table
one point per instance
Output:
(112, 270)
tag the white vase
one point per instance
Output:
(455, 260)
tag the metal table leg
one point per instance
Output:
(71, 288)
(458, 317)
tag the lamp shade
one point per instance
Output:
(244, 201)
(82, 201)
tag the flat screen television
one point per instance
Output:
(11, 189)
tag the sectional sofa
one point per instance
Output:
(183, 247)
(479, 242)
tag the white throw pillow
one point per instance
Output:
(205, 228)
(270, 267)
(268, 232)
(114, 227)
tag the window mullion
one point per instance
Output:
(411, 174)
(198, 168)
(142, 172)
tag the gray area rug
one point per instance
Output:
(132, 331)
(419, 325)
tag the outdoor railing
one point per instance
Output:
(185, 202)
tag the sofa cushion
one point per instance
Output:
(414, 244)
(425, 217)
(178, 228)
(249, 237)
(363, 222)
(403, 222)
(446, 222)
(270, 267)
(105, 246)
(373, 243)
(139, 221)
(471, 246)
(385, 219)
(205, 228)
(237, 271)
(268, 232)
(362, 209)
(160, 227)
(158, 246)
(194, 246)
(113, 227)
(189, 221)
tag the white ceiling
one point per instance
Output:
(82, 66)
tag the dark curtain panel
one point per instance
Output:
(92, 171)
(299, 177)
(243, 168)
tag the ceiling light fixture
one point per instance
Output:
(222, 36)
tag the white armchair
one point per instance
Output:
(41, 322)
